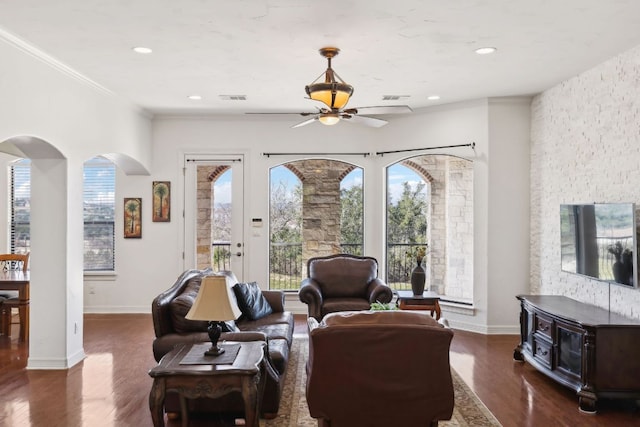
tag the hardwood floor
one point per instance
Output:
(111, 386)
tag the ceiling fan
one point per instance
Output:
(334, 93)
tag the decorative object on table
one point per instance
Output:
(622, 267)
(132, 217)
(418, 275)
(215, 304)
(161, 210)
(382, 306)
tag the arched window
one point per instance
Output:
(430, 204)
(316, 208)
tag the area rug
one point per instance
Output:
(468, 411)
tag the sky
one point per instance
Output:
(102, 180)
(398, 174)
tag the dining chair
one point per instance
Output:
(10, 299)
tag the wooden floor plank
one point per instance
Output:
(111, 386)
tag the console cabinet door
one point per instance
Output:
(569, 343)
(527, 330)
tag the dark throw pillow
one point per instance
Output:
(229, 326)
(251, 301)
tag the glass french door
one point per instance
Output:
(214, 212)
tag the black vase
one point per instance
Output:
(619, 272)
(418, 279)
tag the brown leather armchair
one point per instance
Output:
(342, 282)
(379, 368)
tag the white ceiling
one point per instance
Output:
(268, 49)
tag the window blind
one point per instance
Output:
(99, 214)
(20, 236)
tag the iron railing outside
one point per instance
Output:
(400, 264)
(221, 256)
(286, 265)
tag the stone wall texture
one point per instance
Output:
(449, 261)
(585, 148)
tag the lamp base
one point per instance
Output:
(214, 351)
(214, 329)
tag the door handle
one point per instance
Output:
(238, 253)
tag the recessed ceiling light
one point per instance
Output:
(140, 49)
(433, 97)
(194, 97)
(485, 50)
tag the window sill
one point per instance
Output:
(100, 276)
(458, 307)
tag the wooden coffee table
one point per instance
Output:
(208, 380)
(429, 301)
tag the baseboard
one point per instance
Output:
(104, 309)
(34, 363)
(484, 329)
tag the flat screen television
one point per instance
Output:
(599, 241)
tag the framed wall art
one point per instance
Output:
(132, 217)
(161, 201)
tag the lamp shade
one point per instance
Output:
(214, 301)
(331, 90)
(333, 94)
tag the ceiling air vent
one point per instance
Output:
(233, 97)
(394, 97)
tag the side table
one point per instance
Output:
(190, 381)
(429, 301)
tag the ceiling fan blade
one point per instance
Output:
(367, 121)
(304, 113)
(306, 122)
(385, 109)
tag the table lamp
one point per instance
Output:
(215, 304)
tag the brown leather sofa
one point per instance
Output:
(342, 282)
(168, 310)
(379, 368)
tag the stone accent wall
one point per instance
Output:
(321, 206)
(205, 213)
(460, 230)
(449, 223)
(585, 148)
(206, 176)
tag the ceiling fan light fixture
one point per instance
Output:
(329, 119)
(332, 90)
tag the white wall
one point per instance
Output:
(59, 119)
(585, 137)
(508, 209)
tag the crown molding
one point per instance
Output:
(34, 52)
(18, 43)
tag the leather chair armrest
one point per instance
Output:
(379, 291)
(311, 295)
(243, 336)
(275, 298)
